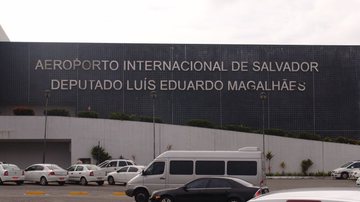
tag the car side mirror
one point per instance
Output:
(185, 188)
(143, 172)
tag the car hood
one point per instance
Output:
(168, 190)
(339, 169)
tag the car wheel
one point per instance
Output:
(61, 183)
(20, 182)
(344, 175)
(141, 196)
(111, 180)
(1, 182)
(167, 199)
(43, 181)
(100, 183)
(83, 181)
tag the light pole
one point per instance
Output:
(47, 95)
(263, 97)
(153, 96)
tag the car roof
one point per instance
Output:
(339, 194)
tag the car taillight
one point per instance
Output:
(258, 193)
(91, 173)
(6, 173)
(52, 173)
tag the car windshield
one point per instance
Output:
(92, 167)
(54, 167)
(346, 165)
(10, 167)
(103, 164)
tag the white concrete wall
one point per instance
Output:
(135, 139)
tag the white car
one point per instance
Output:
(124, 174)
(312, 195)
(115, 164)
(11, 173)
(344, 171)
(85, 173)
(45, 173)
(354, 174)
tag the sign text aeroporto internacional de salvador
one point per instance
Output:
(279, 67)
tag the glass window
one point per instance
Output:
(112, 164)
(356, 165)
(31, 168)
(181, 167)
(196, 184)
(156, 168)
(219, 183)
(122, 170)
(79, 168)
(39, 167)
(133, 169)
(129, 163)
(241, 167)
(122, 163)
(71, 168)
(210, 168)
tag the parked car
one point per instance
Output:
(212, 189)
(115, 164)
(354, 174)
(11, 173)
(344, 171)
(85, 173)
(45, 173)
(124, 174)
(312, 195)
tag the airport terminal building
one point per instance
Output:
(314, 89)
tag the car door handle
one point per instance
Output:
(162, 178)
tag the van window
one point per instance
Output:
(181, 167)
(241, 167)
(210, 167)
(156, 168)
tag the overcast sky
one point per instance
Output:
(326, 22)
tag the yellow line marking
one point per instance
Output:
(35, 193)
(118, 193)
(78, 193)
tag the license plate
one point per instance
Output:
(99, 178)
(61, 178)
(15, 178)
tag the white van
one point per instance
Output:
(175, 168)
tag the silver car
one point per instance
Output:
(84, 173)
(45, 173)
(11, 173)
(312, 194)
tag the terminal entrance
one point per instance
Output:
(26, 152)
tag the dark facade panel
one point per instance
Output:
(309, 88)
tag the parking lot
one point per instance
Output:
(108, 193)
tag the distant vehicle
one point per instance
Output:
(124, 174)
(11, 173)
(115, 164)
(312, 195)
(354, 174)
(344, 171)
(85, 173)
(214, 189)
(45, 173)
(173, 169)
